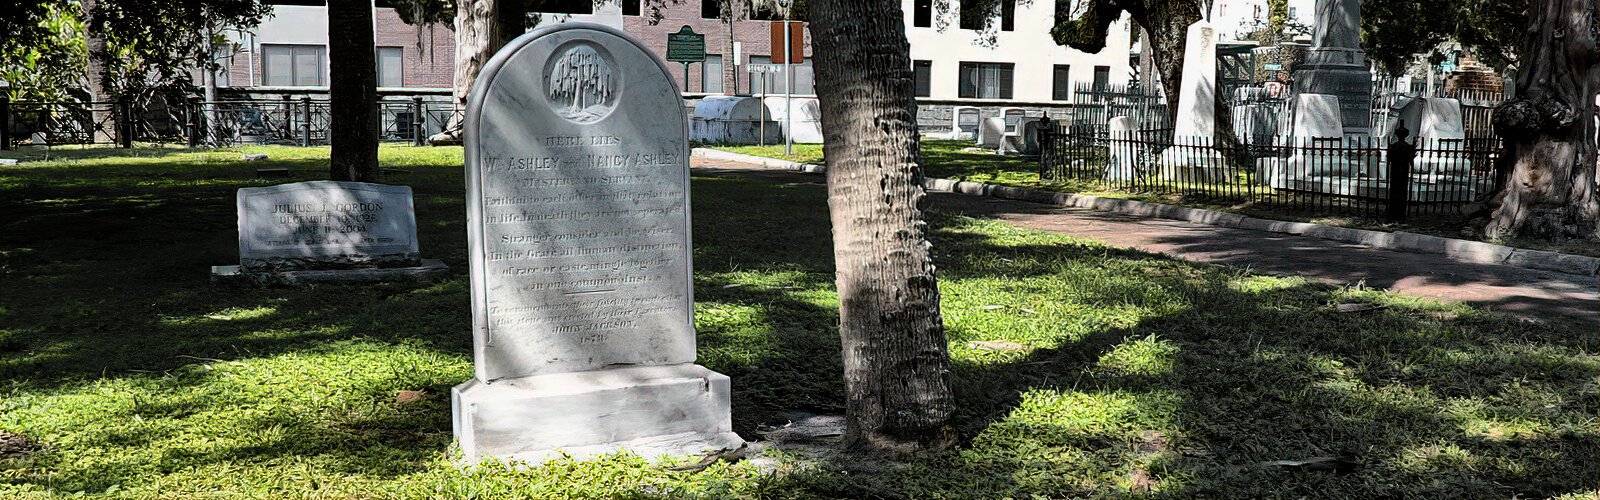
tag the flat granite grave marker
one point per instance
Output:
(578, 230)
(327, 232)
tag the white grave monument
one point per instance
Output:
(1120, 165)
(578, 231)
(1196, 124)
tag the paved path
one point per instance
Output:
(1534, 294)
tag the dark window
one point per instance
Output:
(630, 7)
(567, 6)
(922, 14)
(771, 12)
(986, 80)
(1008, 15)
(1102, 77)
(924, 77)
(711, 9)
(1061, 83)
(972, 16)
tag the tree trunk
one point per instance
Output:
(353, 92)
(103, 126)
(1167, 22)
(482, 27)
(1549, 129)
(896, 363)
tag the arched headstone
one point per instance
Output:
(578, 229)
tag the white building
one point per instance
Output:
(1014, 62)
(1236, 18)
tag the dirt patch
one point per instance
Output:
(14, 445)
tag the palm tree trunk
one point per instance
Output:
(1549, 129)
(896, 363)
(482, 27)
(353, 92)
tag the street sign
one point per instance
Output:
(1272, 67)
(686, 46)
(765, 68)
(796, 42)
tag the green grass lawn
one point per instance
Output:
(1135, 375)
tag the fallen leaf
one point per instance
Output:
(1335, 464)
(997, 345)
(1351, 308)
(405, 397)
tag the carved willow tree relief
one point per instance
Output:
(580, 84)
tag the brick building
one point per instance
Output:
(289, 52)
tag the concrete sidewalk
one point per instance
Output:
(1540, 295)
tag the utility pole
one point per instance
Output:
(788, 82)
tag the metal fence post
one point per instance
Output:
(1402, 155)
(1047, 148)
(5, 121)
(305, 124)
(416, 121)
(193, 123)
(125, 132)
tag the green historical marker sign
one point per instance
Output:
(686, 46)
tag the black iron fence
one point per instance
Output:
(173, 120)
(1355, 175)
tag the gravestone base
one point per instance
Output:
(1194, 165)
(431, 270)
(650, 411)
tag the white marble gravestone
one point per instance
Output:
(578, 230)
(1123, 150)
(1196, 124)
(327, 231)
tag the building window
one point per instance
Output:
(772, 82)
(390, 67)
(567, 6)
(1061, 83)
(922, 14)
(711, 74)
(972, 17)
(1102, 77)
(293, 65)
(1008, 15)
(711, 9)
(986, 80)
(631, 7)
(923, 75)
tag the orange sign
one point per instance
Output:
(797, 42)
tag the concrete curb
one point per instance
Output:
(1460, 250)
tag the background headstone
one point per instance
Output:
(1194, 159)
(1336, 65)
(1123, 150)
(326, 225)
(327, 232)
(578, 230)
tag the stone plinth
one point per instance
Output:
(647, 410)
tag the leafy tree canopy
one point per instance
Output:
(1395, 33)
(155, 42)
(52, 61)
